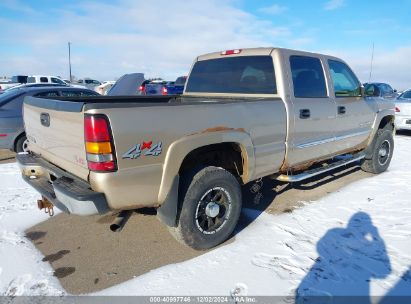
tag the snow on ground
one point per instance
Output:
(21, 270)
(356, 241)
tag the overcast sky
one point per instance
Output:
(161, 38)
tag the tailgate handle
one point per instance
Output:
(305, 113)
(45, 119)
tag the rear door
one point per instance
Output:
(311, 127)
(355, 115)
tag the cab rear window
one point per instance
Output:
(241, 75)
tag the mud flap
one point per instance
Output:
(167, 212)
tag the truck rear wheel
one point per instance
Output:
(210, 209)
(381, 154)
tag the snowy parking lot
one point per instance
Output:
(356, 241)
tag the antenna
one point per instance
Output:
(372, 59)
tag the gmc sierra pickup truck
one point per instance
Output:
(245, 114)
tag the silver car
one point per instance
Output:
(403, 111)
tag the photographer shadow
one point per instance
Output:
(348, 259)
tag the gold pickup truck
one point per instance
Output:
(245, 114)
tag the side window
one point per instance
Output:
(44, 79)
(308, 77)
(47, 94)
(56, 80)
(345, 82)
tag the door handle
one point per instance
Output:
(305, 113)
(341, 110)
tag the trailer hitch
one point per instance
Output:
(45, 204)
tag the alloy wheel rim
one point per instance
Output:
(213, 210)
(384, 152)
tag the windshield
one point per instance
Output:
(405, 95)
(243, 74)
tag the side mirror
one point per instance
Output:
(395, 91)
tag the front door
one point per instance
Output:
(355, 114)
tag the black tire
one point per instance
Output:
(381, 154)
(210, 209)
(21, 144)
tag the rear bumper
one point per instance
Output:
(401, 122)
(67, 192)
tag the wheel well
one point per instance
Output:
(16, 140)
(387, 122)
(224, 155)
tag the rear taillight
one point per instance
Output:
(99, 144)
(163, 91)
(397, 109)
(141, 88)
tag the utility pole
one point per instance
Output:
(372, 59)
(69, 51)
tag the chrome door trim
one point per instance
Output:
(331, 139)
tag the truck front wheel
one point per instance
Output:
(210, 209)
(381, 154)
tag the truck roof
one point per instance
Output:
(260, 51)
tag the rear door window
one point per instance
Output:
(44, 79)
(345, 82)
(308, 77)
(241, 75)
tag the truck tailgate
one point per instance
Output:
(55, 130)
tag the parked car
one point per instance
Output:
(89, 83)
(128, 84)
(45, 79)
(177, 87)
(245, 114)
(142, 87)
(18, 81)
(12, 134)
(4, 85)
(382, 90)
(158, 87)
(104, 87)
(14, 81)
(403, 111)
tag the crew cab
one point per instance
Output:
(244, 114)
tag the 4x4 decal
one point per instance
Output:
(145, 148)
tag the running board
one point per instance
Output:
(317, 171)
